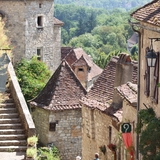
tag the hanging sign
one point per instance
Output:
(127, 138)
(126, 128)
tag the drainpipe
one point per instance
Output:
(138, 98)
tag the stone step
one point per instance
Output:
(7, 105)
(13, 143)
(13, 149)
(7, 100)
(8, 115)
(9, 120)
(13, 137)
(7, 110)
(10, 126)
(11, 131)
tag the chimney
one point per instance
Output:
(124, 69)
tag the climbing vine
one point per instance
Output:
(149, 130)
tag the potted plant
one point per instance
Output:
(32, 141)
(31, 153)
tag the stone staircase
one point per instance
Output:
(12, 134)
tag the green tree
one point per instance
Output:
(149, 130)
(32, 76)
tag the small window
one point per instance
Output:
(110, 133)
(40, 5)
(80, 70)
(52, 126)
(40, 21)
(39, 54)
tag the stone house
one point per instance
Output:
(148, 28)
(102, 109)
(57, 114)
(82, 64)
(33, 30)
(128, 92)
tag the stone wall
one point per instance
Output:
(145, 42)
(95, 133)
(42, 38)
(14, 17)
(20, 103)
(67, 136)
(57, 44)
(40, 118)
(26, 35)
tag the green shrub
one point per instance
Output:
(48, 153)
(32, 141)
(32, 76)
(31, 152)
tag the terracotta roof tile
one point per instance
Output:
(62, 91)
(76, 54)
(80, 62)
(128, 91)
(57, 22)
(149, 13)
(65, 51)
(103, 88)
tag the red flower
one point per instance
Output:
(112, 147)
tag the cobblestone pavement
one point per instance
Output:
(12, 155)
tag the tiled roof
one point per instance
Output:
(62, 91)
(149, 13)
(101, 94)
(103, 88)
(76, 54)
(65, 51)
(128, 91)
(57, 22)
(80, 62)
(133, 39)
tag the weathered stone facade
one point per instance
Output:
(67, 136)
(96, 134)
(31, 30)
(57, 112)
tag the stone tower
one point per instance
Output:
(30, 25)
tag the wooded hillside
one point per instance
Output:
(101, 33)
(106, 4)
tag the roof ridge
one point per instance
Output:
(62, 90)
(154, 1)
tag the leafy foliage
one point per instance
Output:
(99, 32)
(106, 4)
(49, 153)
(149, 129)
(32, 76)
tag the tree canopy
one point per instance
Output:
(32, 76)
(99, 32)
(105, 4)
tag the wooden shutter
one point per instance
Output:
(156, 79)
(147, 78)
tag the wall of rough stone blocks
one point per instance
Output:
(95, 133)
(15, 24)
(146, 42)
(68, 135)
(40, 118)
(24, 34)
